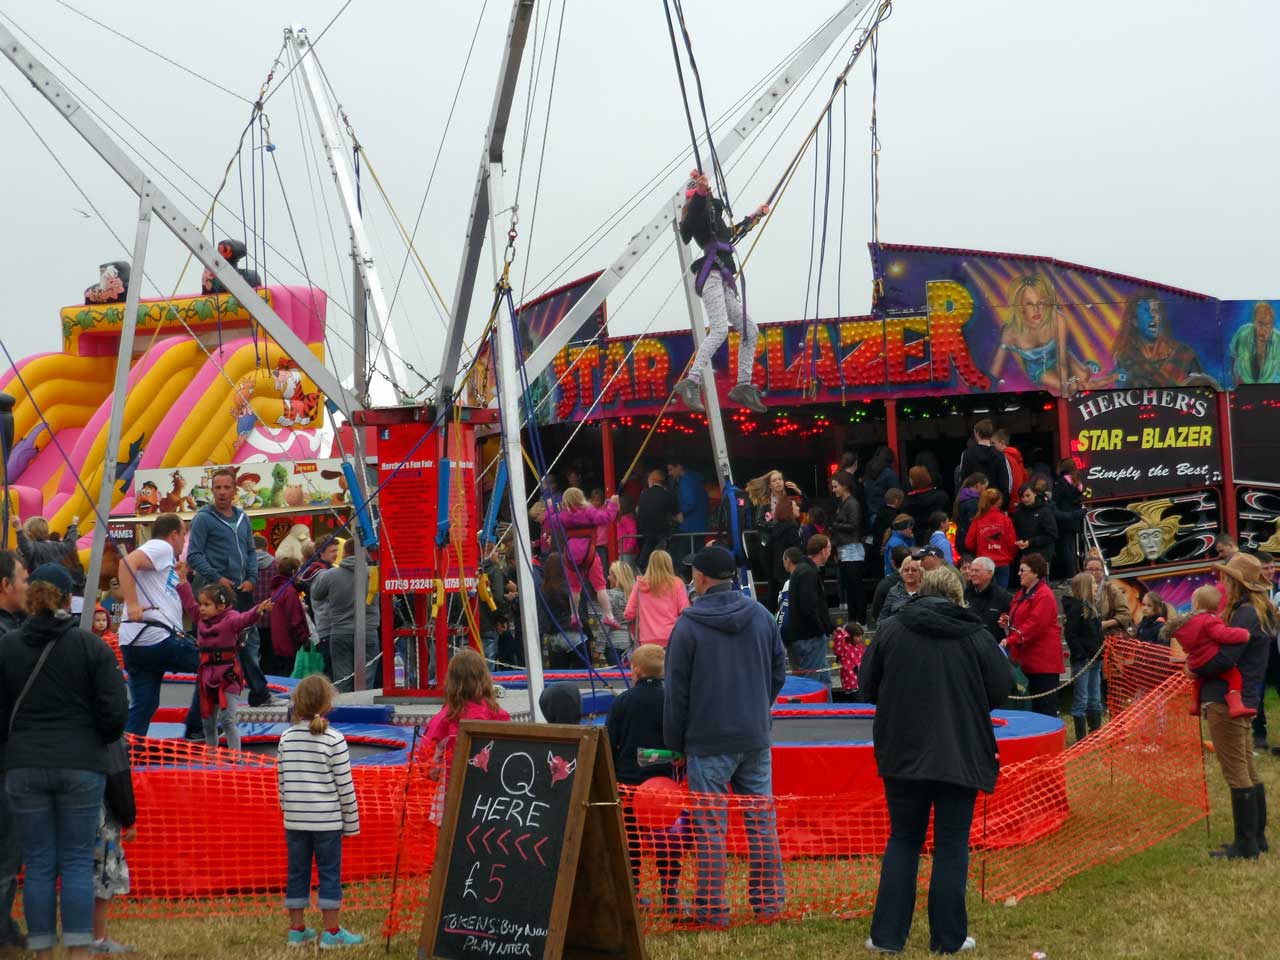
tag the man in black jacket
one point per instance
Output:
(13, 592)
(936, 759)
(657, 513)
(983, 458)
(986, 598)
(809, 625)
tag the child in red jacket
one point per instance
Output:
(1201, 635)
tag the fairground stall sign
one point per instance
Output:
(1143, 441)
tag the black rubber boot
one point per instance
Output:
(1079, 725)
(1260, 812)
(1244, 814)
(1095, 719)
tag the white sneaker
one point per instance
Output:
(874, 948)
(969, 944)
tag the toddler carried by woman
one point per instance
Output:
(1200, 635)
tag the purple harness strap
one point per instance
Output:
(711, 261)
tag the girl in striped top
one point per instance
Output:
(318, 798)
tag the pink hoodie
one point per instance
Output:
(655, 616)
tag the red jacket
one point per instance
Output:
(992, 535)
(1035, 638)
(1203, 634)
(1017, 471)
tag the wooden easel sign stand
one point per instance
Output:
(532, 858)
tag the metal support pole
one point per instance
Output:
(482, 208)
(360, 629)
(119, 397)
(610, 484)
(508, 362)
(382, 392)
(715, 422)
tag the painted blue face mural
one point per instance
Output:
(1148, 319)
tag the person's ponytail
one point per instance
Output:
(319, 725)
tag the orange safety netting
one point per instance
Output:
(211, 839)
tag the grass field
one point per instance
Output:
(1171, 902)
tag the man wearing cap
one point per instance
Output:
(809, 625)
(725, 667)
(932, 558)
(13, 593)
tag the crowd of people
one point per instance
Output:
(979, 598)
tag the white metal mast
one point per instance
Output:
(380, 392)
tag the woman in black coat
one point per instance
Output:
(924, 500)
(937, 758)
(1034, 524)
(62, 700)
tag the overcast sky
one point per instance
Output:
(1135, 137)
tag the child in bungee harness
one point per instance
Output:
(702, 219)
(219, 677)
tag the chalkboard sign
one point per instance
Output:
(531, 816)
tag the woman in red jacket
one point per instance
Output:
(991, 534)
(1035, 638)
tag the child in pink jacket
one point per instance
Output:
(656, 600)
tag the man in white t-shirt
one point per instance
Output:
(151, 637)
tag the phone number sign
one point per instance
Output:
(1128, 442)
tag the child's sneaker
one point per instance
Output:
(301, 938)
(107, 945)
(337, 941)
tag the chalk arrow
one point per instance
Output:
(500, 837)
(469, 836)
(537, 849)
(519, 849)
(485, 839)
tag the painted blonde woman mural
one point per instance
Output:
(1036, 336)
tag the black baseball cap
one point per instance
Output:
(932, 551)
(715, 562)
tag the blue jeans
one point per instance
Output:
(146, 667)
(750, 774)
(1086, 694)
(325, 848)
(57, 813)
(251, 664)
(1001, 577)
(909, 803)
(489, 644)
(10, 864)
(809, 658)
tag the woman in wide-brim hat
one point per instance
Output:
(1248, 606)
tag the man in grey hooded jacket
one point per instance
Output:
(337, 592)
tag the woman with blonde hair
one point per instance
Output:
(1249, 607)
(1036, 335)
(572, 530)
(657, 599)
(622, 580)
(1082, 629)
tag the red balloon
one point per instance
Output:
(658, 803)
